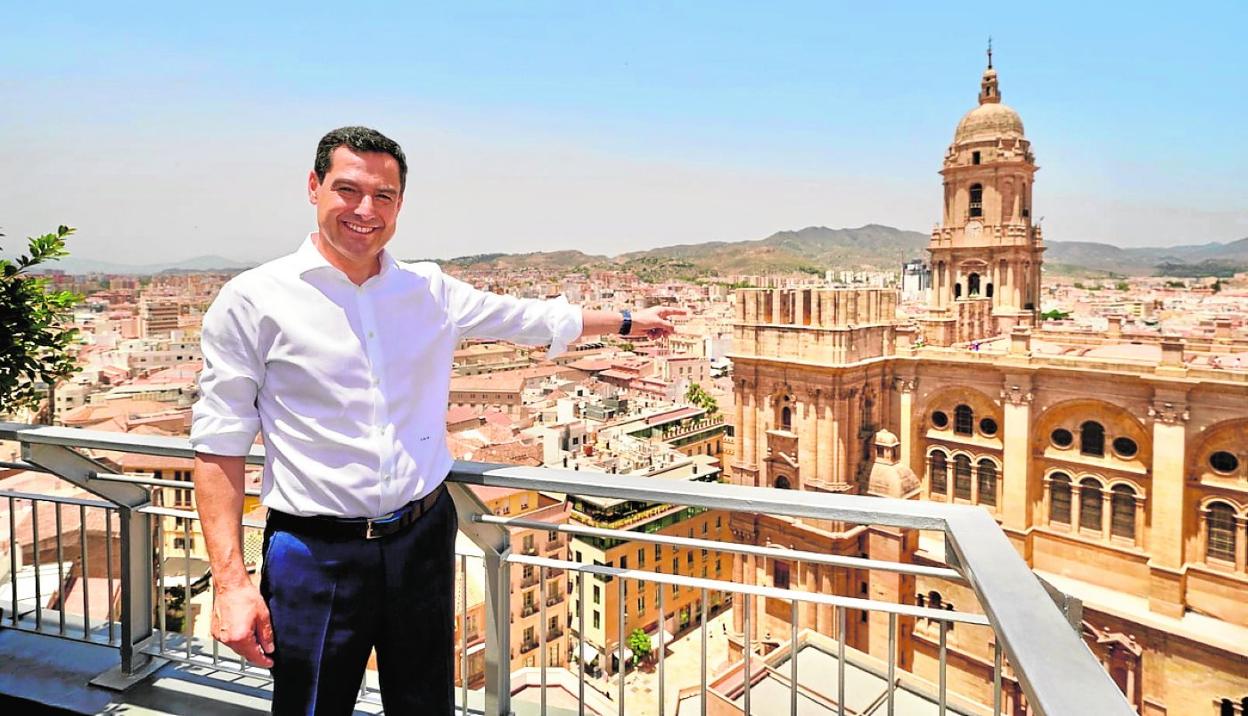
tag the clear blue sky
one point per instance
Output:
(165, 132)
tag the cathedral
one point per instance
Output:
(1116, 462)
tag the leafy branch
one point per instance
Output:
(36, 338)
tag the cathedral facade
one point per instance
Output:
(1116, 463)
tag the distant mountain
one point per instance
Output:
(1195, 260)
(76, 265)
(815, 249)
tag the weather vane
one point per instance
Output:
(990, 52)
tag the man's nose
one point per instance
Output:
(365, 208)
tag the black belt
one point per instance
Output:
(355, 527)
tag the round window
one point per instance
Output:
(940, 419)
(1125, 447)
(1224, 462)
(988, 427)
(1062, 438)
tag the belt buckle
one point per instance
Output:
(368, 532)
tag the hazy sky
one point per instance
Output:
(165, 132)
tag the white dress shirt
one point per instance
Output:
(349, 384)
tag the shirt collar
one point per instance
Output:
(308, 258)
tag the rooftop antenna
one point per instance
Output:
(990, 52)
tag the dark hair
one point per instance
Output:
(358, 139)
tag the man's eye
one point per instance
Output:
(345, 190)
(385, 198)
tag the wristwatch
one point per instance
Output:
(626, 326)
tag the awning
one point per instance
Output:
(668, 638)
(588, 654)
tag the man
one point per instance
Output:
(341, 357)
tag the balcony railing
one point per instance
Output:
(1055, 670)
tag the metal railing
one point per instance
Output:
(1055, 670)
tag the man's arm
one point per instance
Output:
(651, 321)
(240, 618)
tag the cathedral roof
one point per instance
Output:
(991, 120)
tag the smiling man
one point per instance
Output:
(341, 357)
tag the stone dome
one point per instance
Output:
(989, 121)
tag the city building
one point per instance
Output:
(1115, 461)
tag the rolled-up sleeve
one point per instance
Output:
(225, 419)
(530, 321)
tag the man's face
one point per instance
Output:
(357, 204)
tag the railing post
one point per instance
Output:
(136, 557)
(495, 542)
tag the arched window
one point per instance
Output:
(1122, 512)
(1059, 498)
(987, 476)
(1221, 530)
(939, 469)
(786, 418)
(957, 290)
(782, 483)
(1092, 439)
(977, 200)
(972, 285)
(962, 477)
(1090, 504)
(988, 292)
(963, 420)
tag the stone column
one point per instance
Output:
(826, 621)
(824, 437)
(1169, 414)
(974, 483)
(810, 610)
(1015, 507)
(1241, 543)
(762, 422)
(738, 604)
(1076, 506)
(843, 420)
(1107, 509)
(807, 441)
(905, 420)
(746, 453)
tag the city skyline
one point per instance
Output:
(556, 128)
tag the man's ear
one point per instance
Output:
(313, 185)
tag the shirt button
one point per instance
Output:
(370, 334)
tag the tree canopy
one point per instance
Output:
(37, 338)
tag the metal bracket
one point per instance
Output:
(1071, 607)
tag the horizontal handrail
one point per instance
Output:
(731, 547)
(1057, 671)
(788, 595)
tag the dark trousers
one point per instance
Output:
(333, 601)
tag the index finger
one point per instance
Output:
(665, 312)
(250, 650)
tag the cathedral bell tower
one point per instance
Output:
(985, 254)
